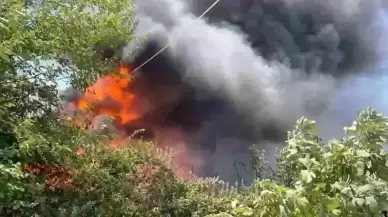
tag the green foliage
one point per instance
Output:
(13, 186)
(42, 42)
(346, 177)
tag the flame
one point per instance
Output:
(110, 96)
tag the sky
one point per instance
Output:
(361, 92)
(61, 85)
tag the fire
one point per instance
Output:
(110, 96)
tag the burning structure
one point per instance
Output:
(247, 70)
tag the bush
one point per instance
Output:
(346, 177)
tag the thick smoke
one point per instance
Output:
(252, 67)
(263, 56)
(244, 73)
(333, 37)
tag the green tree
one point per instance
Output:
(42, 41)
(346, 177)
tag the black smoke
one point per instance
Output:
(248, 69)
(332, 37)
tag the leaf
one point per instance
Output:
(321, 185)
(352, 128)
(347, 190)
(282, 211)
(368, 164)
(4, 26)
(302, 201)
(334, 204)
(337, 185)
(291, 152)
(4, 56)
(305, 162)
(336, 212)
(371, 202)
(234, 203)
(245, 211)
(267, 184)
(358, 201)
(307, 176)
(9, 104)
(223, 214)
(16, 206)
(280, 189)
(362, 153)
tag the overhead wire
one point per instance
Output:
(169, 43)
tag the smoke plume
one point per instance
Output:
(248, 69)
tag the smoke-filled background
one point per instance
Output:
(248, 69)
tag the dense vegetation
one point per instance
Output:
(42, 174)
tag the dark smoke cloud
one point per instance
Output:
(333, 37)
(249, 69)
(70, 94)
(66, 97)
(307, 37)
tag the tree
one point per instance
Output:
(346, 177)
(42, 41)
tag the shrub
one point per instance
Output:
(346, 177)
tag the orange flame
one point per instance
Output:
(110, 96)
